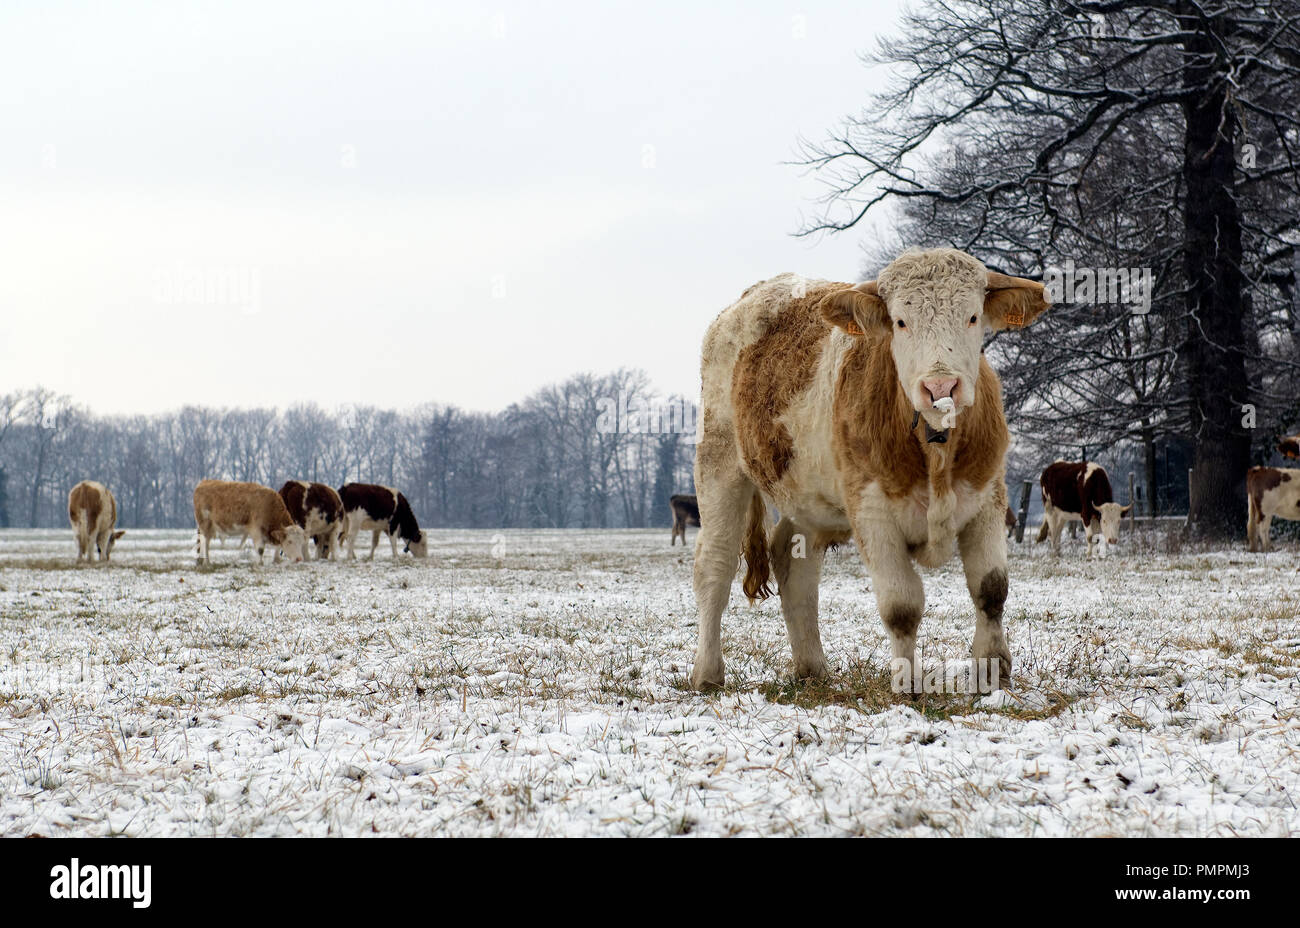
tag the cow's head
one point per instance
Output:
(292, 541)
(1105, 528)
(935, 307)
(112, 540)
(419, 546)
(1290, 446)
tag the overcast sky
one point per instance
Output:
(400, 203)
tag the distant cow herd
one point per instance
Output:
(287, 522)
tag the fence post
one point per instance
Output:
(1027, 489)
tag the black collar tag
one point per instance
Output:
(932, 436)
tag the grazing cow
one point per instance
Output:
(686, 511)
(1290, 446)
(1270, 491)
(1074, 491)
(316, 507)
(864, 411)
(226, 507)
(92, 510)
(381, 510)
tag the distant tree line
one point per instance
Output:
(591, 452)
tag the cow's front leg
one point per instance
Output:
(900, 595)
(984, 559)
(1056, 521)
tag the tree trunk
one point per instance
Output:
(1216, 366)
(1149, 466)
(39, 476)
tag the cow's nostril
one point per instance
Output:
(940, 388)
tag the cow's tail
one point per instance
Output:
(758, 567)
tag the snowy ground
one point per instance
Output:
(534, 683)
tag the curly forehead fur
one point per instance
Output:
(942, 272)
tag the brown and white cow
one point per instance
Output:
(1270, 491)
(316, 507)
(227, 507)
(381, 510)
(686, 511)
(1290, 446)
(92, 510)
(836, 403)
(1077, 491)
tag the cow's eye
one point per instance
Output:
(974, 319)
(902, 324)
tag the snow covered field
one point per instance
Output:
(534, 683)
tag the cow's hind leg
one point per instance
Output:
(984, 559)
(724, 504)
(798, 568)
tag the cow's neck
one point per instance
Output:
(942, 508)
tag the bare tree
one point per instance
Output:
(1052, 82)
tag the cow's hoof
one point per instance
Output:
(985, 682)
(707, 679)
(810, 670)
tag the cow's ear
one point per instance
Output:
(1013, 302)
(118, 534)
(858, 310)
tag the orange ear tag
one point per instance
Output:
(1014, 317)
(853, 329)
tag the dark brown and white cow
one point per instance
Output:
(316, 507)
(92, 510)
(1290, 446)
(1075, 491)
(381, 511)
(228, 507)
(686, 511)
(1270, 491)
(864, 411)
